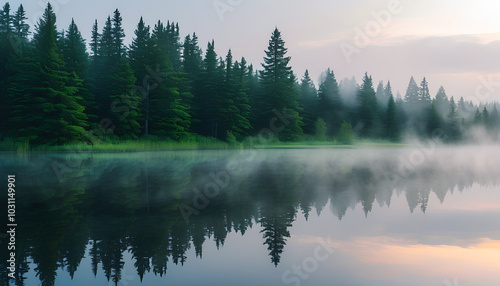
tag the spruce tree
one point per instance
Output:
(412, 92)
(391, 120)
(45, 101)
(453, 123)
(434, 119)
(165, 93)
(478, 117)
(236, 106)
(76, 60)
(95, 38)
(367, 108)
(5, 52)
(308, 101)
(329, 103)
(113, 82)
(191, 57)
(424, 96)
(442, 102)
(278, 94)
(208, 98)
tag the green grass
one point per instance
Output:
(193, 143)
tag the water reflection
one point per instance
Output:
(156, 206)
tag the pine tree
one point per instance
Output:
(453, 124)
(486, 117)
(434, 120)
(94, 43)
(329, 103)
(442, 102)
(478, 117)
(165, 95)
(106, 40)
(412, 92)
(424, 96)
(74, 51)
(380, 93)
(45, 101)
(237, 104)
(113, 83)
(308, 101)
(74, 54)
(278, 91)
(5, 20)
(391, 120)
(495, 120)
(367, 107)
(5, 51)
(117, 33)
(208, 98)
(191, 57)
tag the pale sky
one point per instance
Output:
(454, 43)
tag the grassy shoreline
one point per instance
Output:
(208, 144)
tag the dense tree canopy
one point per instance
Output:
(54, 89)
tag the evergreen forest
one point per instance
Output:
(57, 88)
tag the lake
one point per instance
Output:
(422, 215)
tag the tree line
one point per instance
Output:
(55, 91)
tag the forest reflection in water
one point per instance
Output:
(96, 208)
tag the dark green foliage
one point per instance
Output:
(391, 120)
(329, 103)
(208, 98)
(346, 135)
(478, 117)
(308, 103)
(53, 92)
(191, 57)
(442, 103)
(278, 91)
(486, 117)
(46, 107)
(453, 124)
(320, 129)
(412, 92)
(434, 121)
(367, 108)
(424, 96)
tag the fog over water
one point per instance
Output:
(417, 215)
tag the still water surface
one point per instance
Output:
(415, 216)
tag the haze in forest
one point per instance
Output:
(60, 88)
(452, 43)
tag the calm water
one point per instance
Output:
(416, 216)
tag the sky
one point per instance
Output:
(453, 43)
